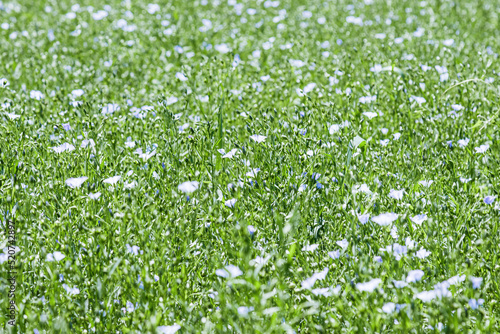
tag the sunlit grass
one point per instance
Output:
(250, 167)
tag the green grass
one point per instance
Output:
(341, 109)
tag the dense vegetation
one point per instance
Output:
(250, 166)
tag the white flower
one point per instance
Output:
(94, 196)
(367, 99)
(130, 185)
(130, 306)
(296, 63)
(482, 148)
(334, 254)
(417, 99)
(322, 274)
(309, 282)
(369, 286)
(144, 156)
(168, 329)
(153, 8)
(244, 310)
(222, 48)
(77, 93)
(419, 219)
(230, 154)
(362, 188)
(334, 129)
(441, 290)
(259, 260)
(394, 232)
(75, 182)
(87, 142)
(463, 142)
(384, 142)
(377, 67)
(389, 308)
(414, 276)
(426, 183)
(455, 279)
(370, 114)
(399, 284)
(258, 138)
(99, 15)
(181, 76)
(36, 95)
(409, 243)
(474, 304)
(133, 249)
(63, 147)
(122, 24)
(443, 72)
(322, 291)
(253, 172)
(456, 107)
(110, 108)
(71, 291)
(363, 219)
(203, 99)
(188, 186)
(354, 20)
(385, 219)
(112, 180)
(171, 100)
(309, 88)
(229, 271)
(426, 296)
(397, 250)
(396, 194)
(12, 116)
(56, 256)
(448, 42)
(310, 248)
(423, 253)
(230, 203)
(476, 282)
(4, 82)
(343, 243)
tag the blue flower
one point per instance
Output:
(489, 199)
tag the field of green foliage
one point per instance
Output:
(234, 166)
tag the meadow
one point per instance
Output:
(233, 166)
